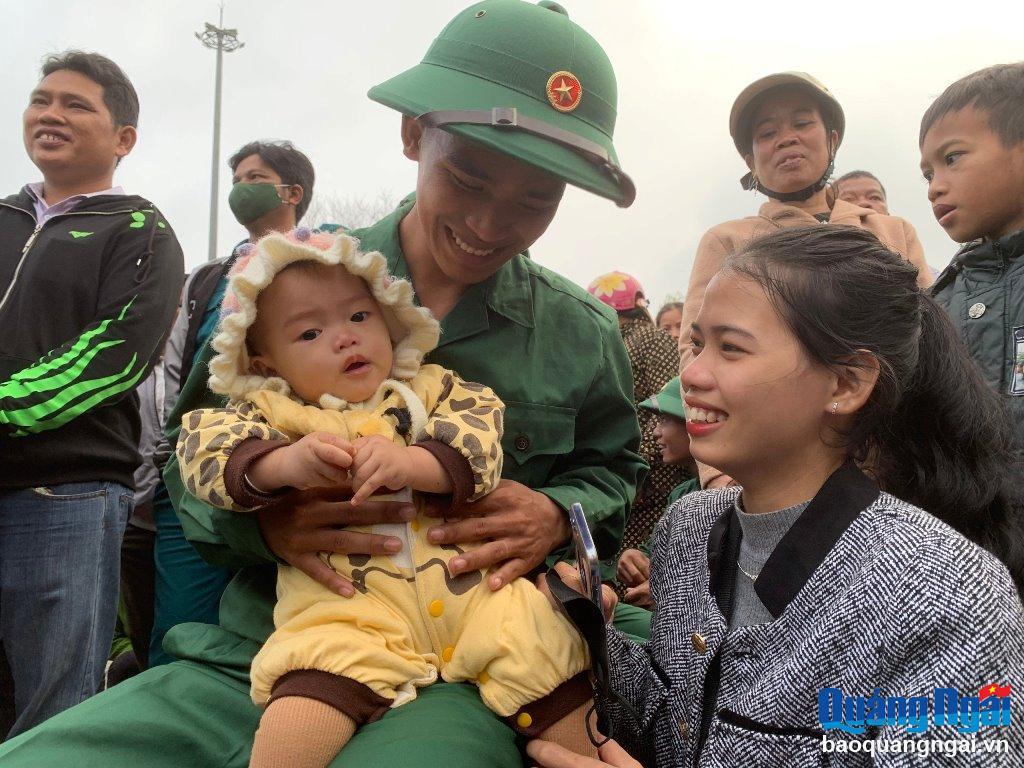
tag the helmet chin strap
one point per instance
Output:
(801, 194)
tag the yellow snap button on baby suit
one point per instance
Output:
(436, 608)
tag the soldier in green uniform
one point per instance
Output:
(511, 102)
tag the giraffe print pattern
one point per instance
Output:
(469, 417)
(207, 438)
(465, 416)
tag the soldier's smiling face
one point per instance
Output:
(475, 208)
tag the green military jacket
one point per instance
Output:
(555, 357)
(983, 291)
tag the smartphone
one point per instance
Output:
(586, 555)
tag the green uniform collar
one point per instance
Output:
(507, 292)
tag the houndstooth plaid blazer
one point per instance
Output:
(867, 592)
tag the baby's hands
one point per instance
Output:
(318, 460)
(379, 463)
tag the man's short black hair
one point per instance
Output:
(118, 92)
(287, 162)
(997, 90)
(860, 175)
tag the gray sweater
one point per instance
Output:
(864, 594)
(761, 534)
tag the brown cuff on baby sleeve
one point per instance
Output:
(239, 462)
(536, 717)
(343, 693)
(456, 466)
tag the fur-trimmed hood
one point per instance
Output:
(414, 331)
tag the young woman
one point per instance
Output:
(873, 461)
(787, 127)
(670, 318)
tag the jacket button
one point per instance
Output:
(684, 730)
(700, 645)
(522, 442)
(976, 310)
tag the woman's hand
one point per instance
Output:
(300, 525)
(549, 755)
(520, 528)
(570, 576)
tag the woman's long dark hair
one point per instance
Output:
(932, 432)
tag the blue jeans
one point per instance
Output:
(60, 554)
(187, 588)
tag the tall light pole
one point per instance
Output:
(223, 41)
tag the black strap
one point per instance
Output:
(589, 620)
(200, 290)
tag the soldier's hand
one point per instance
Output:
(640, 595)
(634, 568)
(519, 527)
(301, 524)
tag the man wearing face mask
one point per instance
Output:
(272, 186)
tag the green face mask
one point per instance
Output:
(250, 201)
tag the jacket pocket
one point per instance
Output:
(535, 435)
(736, 739)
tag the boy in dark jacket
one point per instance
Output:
(89, 281)
(972, 156)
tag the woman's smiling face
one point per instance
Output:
(755, 402)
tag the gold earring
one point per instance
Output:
(835, 407)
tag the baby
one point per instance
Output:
(320, 353)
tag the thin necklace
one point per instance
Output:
(751, 576)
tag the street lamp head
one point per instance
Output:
(216, 38)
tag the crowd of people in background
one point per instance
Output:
(805, 475)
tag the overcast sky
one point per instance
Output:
(306, 66)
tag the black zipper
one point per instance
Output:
(742, 721)
(35, 234)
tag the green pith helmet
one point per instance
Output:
(669, 401)
(523, 80)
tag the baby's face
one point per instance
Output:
(319, 328)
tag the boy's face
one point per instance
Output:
(975, 183)
(318, 328)
(672, 438)
(865, 192)
(476, 209)
(69, 133)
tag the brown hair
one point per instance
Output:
(932, 431)
(997, 90)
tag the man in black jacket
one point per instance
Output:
(89, 281)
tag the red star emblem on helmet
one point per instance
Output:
(564, 91)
